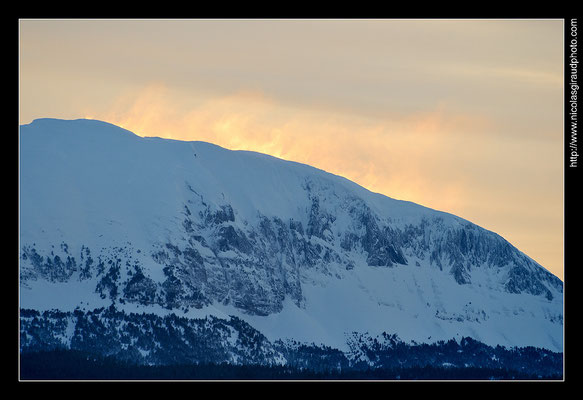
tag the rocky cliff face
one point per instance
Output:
(111, 218)
(255, 267)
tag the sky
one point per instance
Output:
(462, 116)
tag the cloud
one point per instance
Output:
(407, 157)
(441, 158)
(458, 115)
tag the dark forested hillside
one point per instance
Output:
(110, 344)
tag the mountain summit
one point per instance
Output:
(112, 220)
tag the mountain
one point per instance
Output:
(166, 228)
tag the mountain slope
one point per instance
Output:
(163, 226)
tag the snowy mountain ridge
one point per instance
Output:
(189, 228)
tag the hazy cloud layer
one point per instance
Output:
(461, 116)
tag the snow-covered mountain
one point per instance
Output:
(189, 228)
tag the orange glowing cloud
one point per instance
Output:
(389, 156)
(463, 116)
(441, 159)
